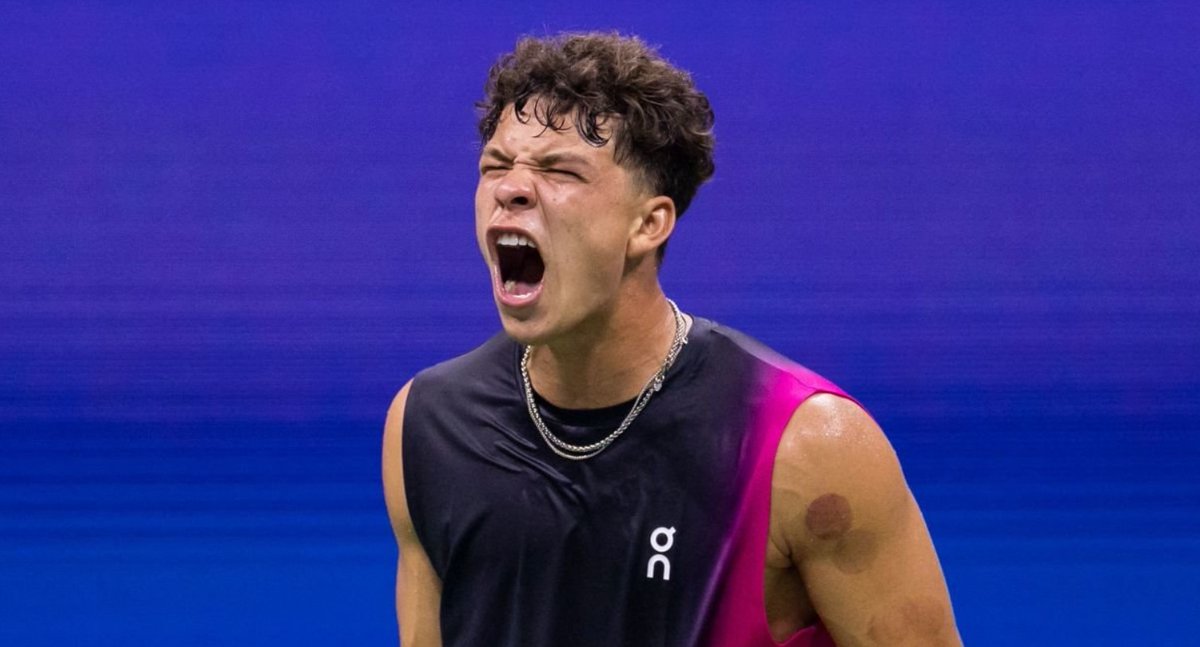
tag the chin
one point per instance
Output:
(527, 332)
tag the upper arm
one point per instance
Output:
(842, 511)
(418, 589)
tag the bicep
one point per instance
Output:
(883, 585)
(856, 534)
(418, 589)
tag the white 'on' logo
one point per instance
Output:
(661, 540)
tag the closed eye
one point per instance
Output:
(565, 173)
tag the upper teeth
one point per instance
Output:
(514, 240)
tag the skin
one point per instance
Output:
(597, 229)
(846, 539)
(418, 589)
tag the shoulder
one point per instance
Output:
(730, 342)
(445, 382)
(393, 426)
(497, 351)
(392, 468)
(831, 426)
(834, 470)
(830, 446)
(495, 359)
(471, 377)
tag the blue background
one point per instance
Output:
(230, 231)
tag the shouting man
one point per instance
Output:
(611, 470)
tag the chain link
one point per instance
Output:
(654, 385)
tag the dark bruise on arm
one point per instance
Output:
(829, 518)
(844, 516)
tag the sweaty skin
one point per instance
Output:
(846, 541)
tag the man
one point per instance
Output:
(610, 470)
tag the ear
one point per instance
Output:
(652, 228)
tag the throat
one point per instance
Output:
(605, 371)
(590, 388)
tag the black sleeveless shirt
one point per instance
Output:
(659, 540)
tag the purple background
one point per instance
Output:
(230, 231)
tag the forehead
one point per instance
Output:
(527, 135)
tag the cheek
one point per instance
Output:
(593, 250)
(603, 228)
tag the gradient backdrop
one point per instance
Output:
(230, 231)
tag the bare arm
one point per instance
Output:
(842, 512)
(418, 590)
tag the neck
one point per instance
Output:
(607, 360)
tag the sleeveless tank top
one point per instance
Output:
(660, 540)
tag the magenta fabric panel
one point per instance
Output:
(739, 618)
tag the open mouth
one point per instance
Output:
(520, 264)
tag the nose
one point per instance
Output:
(515, 191)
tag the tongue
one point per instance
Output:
(519, 288)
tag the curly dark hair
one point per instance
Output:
(664, 124)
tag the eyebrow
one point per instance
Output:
(494, 153)
(543, 161)
(559, 158)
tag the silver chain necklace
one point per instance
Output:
(583, 452)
